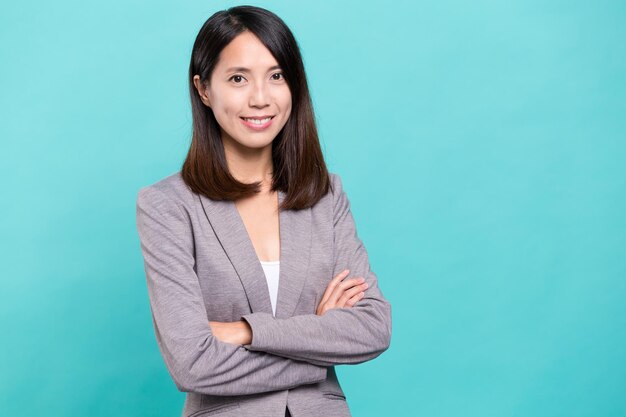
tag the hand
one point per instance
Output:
(237, 332)
(341, 294)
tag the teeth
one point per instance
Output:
(257, 121)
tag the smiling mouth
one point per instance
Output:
(258, 120)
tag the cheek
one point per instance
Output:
(221, 106)
(225, 104)
(286, 103)
(220, 114)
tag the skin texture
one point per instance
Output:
(258, 91)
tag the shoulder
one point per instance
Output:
(337, 190)
(338, 197)
(336, 185)
(169, 189)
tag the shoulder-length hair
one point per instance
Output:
(299, 168)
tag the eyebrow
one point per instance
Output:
(244, 69)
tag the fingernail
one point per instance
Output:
(345, 271)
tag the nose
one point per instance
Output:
(259, 97)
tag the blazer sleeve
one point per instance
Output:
(196, 360)
(347, 335)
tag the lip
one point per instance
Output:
(255, 126)
(259, 117)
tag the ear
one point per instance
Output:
(202, 90)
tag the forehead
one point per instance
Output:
(246, 50)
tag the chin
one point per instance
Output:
(256, 144)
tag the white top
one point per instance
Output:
(271, 269)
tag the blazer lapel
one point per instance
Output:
(295, 252)
(295, 244)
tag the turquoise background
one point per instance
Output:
(493, 131)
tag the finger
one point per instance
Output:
(335, 290)
(341, 288)
(345, 285)
(340, 299)
(333, 283)
(348, 294)
(355, 290)
(352, 301)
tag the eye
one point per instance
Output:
(280, 74)
(238, 77)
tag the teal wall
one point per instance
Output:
(494, 131)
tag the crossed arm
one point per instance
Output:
(339, 293)
(258, 353)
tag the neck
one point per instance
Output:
(249, 165)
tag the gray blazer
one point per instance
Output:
(201, 266)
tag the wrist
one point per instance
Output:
(246, 332)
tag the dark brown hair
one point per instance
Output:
(299, 167)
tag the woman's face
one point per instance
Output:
(247, 83)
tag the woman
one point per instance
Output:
(258, 282)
